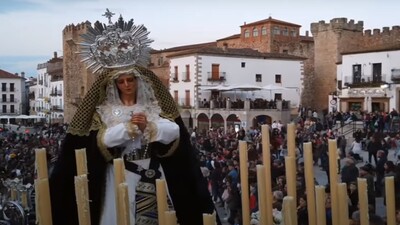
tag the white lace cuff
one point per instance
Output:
(150, 132)
(133, 129)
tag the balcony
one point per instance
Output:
(216, 77)
(364, 81)
(174, 77)
(57, 108)
(247, 104)
(184, 103)
(56, 93)
(185, 76)
(8, 90)
(8, 100)
(10, 112)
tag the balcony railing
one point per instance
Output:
(10, 112)
(185, 76)
(364, 80)
(57, 108)
(9, 90)
(56, 93)
(216, 77)
(395, 76)
(184, 103)
(9, 100)
(174, 77)
(247, 104)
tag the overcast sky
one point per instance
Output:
(31, 30)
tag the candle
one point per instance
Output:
(333, 170)
(320, 205)
(363, 200)
(41, 163)
(43, 200)
(267, 168)
(170, 218)
(289, 211)
(13, 194)
(81, 163)
(119, 177)
(343, 203)
(24, 200)
(310, 183)
(390, 201)
(291, 139)
(124, 204)
(82, 199)
(262, 202)
(244, 182)
(208, 219)
(291, 182)
(162, 205)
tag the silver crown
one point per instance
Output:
(115, 45)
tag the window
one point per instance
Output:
(175, 74)
(255, 32)
(215, 72)
(176, 97)
(243, 64)
(4, 98)
(278, 78)
(263, 31)
(160, 61)
(3, 86)
(11, 98)
(187, 73)
(258, 78)
(285, 51)
(357, 73)
(276, 30)
(278, 96)
(187, 98)
(4, 108)
(377, 72)
(12, 109)
(246, 33)
(12, 87)
(294, 33)
(285, 31)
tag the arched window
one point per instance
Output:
(246, 33)
(263, 31)
(255, 32)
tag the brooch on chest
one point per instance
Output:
(117, 112)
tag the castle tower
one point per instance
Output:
(330, 39)
(77, 79)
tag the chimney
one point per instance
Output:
(306, 33)
(244, 23)
(55, 55)
(23, 74)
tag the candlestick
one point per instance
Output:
(82, 199)
(41, 163)
(363, 200)
(320, 205)
(162, 205)
(119, 178)
(43, 200)
(262, 203)
(267, 173)
(244, 182)
(291, 182)
(208, 219)
(123, 202)
(13, 194)
(390, 201)
(343, 203)
(24, 200)
(333, 170)
(310, 183)
(291, 139)
(289, 211)
(81, 162)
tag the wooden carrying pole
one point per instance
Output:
(310, 183)
(244, 182)
(82, 188)
(266, 149)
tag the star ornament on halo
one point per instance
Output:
(115, 45)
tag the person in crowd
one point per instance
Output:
(302, 213)
(128, 114)
(349, 172)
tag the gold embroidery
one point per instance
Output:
(171, 150)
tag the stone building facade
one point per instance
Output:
(77, 79)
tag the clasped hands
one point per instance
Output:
(140, 120)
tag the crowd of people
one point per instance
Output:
(219, 157)
(220, 161)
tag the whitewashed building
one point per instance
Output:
(47, 92)
(369, 80)
(13, 94)
(198, 77)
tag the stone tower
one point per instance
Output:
(77, 79)
(330, 39)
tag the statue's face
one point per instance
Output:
(126, 84)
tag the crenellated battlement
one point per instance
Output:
(71, 28)
(337, 24)
(386, 31)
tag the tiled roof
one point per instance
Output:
(372, 49)
(306, 39)
(235, 36)
(185, 47)
(271, 20)
(242, 52)
(5, 74)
